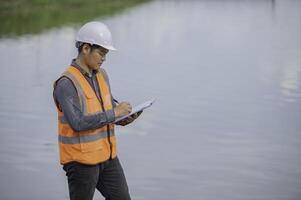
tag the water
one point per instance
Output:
(226, 123)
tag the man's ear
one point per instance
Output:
(86, 49)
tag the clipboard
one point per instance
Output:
(137, 108)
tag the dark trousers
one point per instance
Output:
(107, 177)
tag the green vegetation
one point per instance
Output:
(32, 16)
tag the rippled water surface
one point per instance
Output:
(226, 123)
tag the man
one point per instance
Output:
(86, 115)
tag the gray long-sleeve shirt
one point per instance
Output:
(65, 96)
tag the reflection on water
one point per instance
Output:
(225, 125)
(291, 79)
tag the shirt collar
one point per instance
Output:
(75, 64)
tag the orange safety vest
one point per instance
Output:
(93, 146)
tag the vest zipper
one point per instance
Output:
(108, 133)
(102, 106)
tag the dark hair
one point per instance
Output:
(80, 46)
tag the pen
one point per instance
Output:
(115, 101)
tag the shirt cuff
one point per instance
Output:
(110, 115)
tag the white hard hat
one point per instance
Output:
(95, 33)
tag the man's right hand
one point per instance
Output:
(122, 109)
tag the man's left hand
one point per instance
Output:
(129, 119)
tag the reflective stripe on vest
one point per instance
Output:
(88, 147)
(85, 138)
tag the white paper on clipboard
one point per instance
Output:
(137, 108)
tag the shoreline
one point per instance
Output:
(34, 16)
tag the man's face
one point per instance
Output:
(95, 57)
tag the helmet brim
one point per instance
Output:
(111, 48)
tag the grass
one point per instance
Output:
(32, 16)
